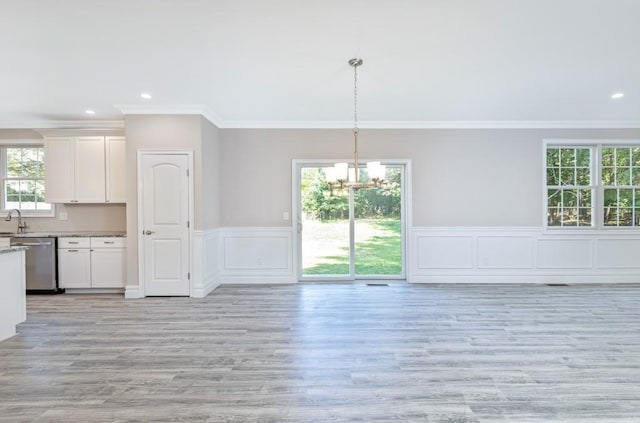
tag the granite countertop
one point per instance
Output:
(4, 250)
(65, 234)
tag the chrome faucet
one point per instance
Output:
(22, 225)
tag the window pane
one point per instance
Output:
(570, 217)
(14, 162)
(625, 198)
(623, 158)
(553, 217)
(569, 198)
(607, 156)
(554, 197)
(568, 176)
(567, 157)
(610, 197)
(584, 217)
(625, 217)
(635, 176)
(608, 176)
(610, 216)
(635, 156)
(583, 177)
(553, 155)
(584, 199)
(553, 176)
(583, 157)
(623, 176)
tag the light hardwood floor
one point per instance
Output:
(330, 353)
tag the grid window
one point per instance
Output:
(570, 191)
(22, 173)
(621, 186)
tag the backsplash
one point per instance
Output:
(80, 217)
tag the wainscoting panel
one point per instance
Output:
(522, 255)
(452, 252)
(260, 255)
(505, 252)
(618, 253)
(256, 255)
(565, 253)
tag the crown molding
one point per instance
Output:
(63, 124)
(189, 109)
(215, 119)
(502, 124)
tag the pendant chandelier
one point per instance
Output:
(341, 176)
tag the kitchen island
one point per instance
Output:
(13, 301)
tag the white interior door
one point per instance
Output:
(165, 224)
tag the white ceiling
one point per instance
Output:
(258, 63)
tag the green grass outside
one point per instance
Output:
(378, 247)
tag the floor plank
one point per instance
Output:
(330, 353)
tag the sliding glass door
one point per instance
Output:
(347, 234)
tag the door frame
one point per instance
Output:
(296, 216)
(141, 264)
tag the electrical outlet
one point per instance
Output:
(63, 216)
(285, 215)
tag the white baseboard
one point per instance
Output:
(132, 291)
(525, 279)
(258, 280)
(211, 283)
(94, 290)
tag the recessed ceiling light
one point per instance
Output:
(617, 95)
(145, 96)
(90, 112)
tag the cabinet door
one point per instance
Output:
(108, 268)
(116, 170)
(74, 268)
(59, 159)
(90, 170)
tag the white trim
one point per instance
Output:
(61, 124)
(296, 217)
(213, 117)
(190, 164)
(185, 109)
(132, 291)
(445, 124)
(206, 275)
(257, 280)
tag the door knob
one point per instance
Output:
(148, 232)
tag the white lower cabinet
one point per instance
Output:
(95, 262)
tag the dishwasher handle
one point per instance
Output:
(32, 244)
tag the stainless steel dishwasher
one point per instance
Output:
(41, 266)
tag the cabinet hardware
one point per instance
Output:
(148, 232)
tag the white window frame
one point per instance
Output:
(3, 172)
(597, 202)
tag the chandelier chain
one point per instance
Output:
(355, 99)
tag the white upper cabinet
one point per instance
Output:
(90, 170)
(85, 169)
(116, 170)
(59, 159)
